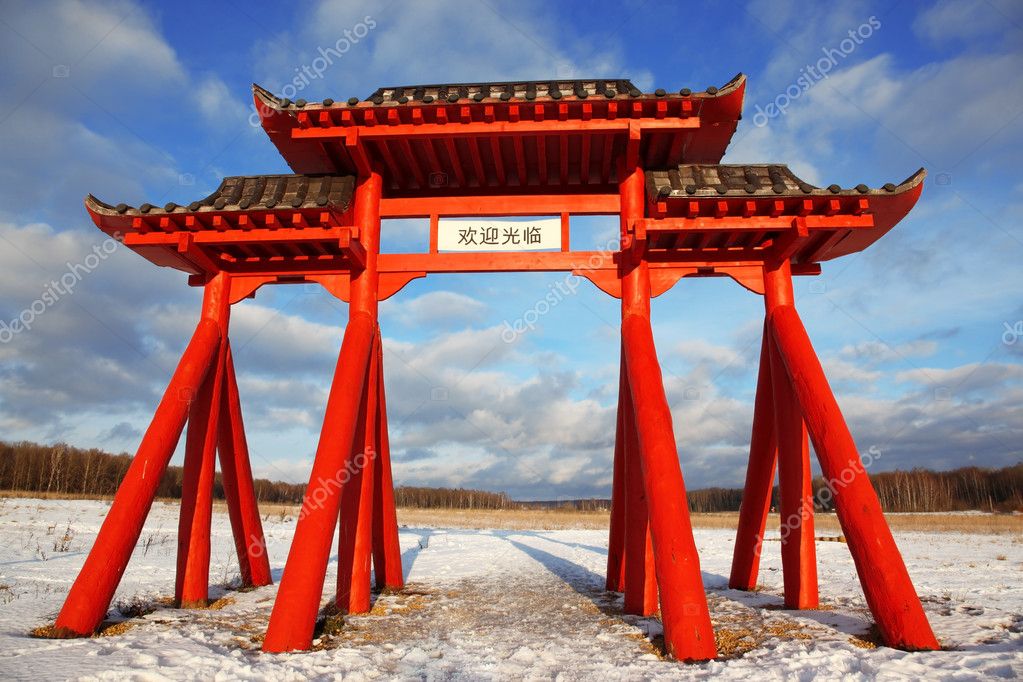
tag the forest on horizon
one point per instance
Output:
(61, 469)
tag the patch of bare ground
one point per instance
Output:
(739, 628)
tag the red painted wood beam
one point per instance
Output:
(298, 599)
(387, 567)
(639, 570)
(355, 540)
(236, 474)
(756, 493)
(616, 533)
(882, 572)
(498, 128)
(191, 588)
(688, 634)
(503, 205)
(798, 553)
(90, 595)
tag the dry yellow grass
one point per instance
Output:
(826, 524)
(561, 519)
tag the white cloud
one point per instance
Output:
(967, 20)
(219, 104)
(436, 308)
(450, 43)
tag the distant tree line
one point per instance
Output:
(450, 498)
(64, 470)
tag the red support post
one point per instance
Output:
(90, 595)
(386, 549)
(616, 534)
(236, 474)
(640, 574)
(756, 494)
(191, 587)
(688, 634)
(798, 552)
(298, 598)
(882, 572)
(294, 614)
(355, 541)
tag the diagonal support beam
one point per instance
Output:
(688, 634)
(756, 493)
(87, 602)
(795, 491)
(191, 585)
(239, 491)
(616, 534)
(882, 572)
(298, 599)
(640, 573)
(387, 567)
(355, 540)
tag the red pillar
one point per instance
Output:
(883, 575)
(193, 567)
(355, 541)
(236, 474)
(90, 595)
(355, 549)
(386, 549)
(688, 634)
(298, 598)
(756, 494)
(294, 614)
(616, 533)
(640, 574)
(798, 553)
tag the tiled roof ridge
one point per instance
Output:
(252, 192)
(710, 180)
(536, 90)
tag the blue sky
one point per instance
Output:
(145, 101)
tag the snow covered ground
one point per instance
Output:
(497, 605)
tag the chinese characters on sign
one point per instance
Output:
(498, 235)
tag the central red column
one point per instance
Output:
(355, 542)
(688, 634)
(193, 567)
(335, 466)
(798, 553)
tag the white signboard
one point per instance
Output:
(467, 234)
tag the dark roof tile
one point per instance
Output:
(711, 180)
(254, 192)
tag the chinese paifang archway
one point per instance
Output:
(561, 148)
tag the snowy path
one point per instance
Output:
(498, 605)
